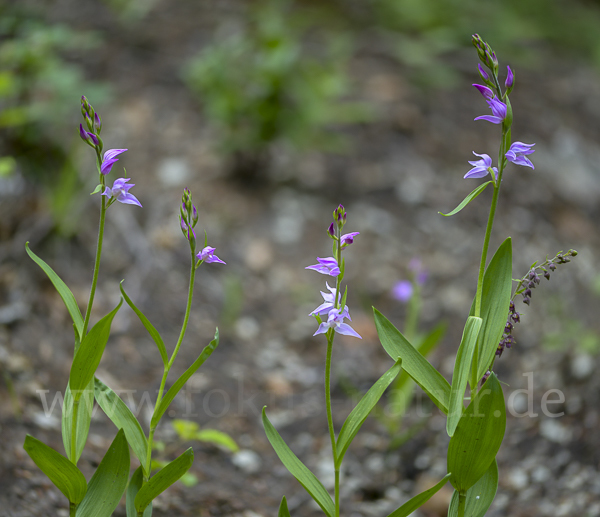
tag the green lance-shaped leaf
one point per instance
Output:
(478, 436)
(468, 199)
(163, 479)
(124, 419)
(413, 363)
(360, 413)
(84, 417)
(217, 437)
(63, 290)
(159, 411)
(480, 496)
(462, 368)
(495, 301)
(90, 352)
(419, 500)
(283, 509)
(108, 483)
(149, 327)
(306, 478)
(135, 483)
(63, 473)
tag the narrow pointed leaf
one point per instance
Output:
(124, 419)
(462, 368)
(283, 509)
(149, 327)
(495, 301)
(108, 483)
(135, 483)
(413, 363)
(468, 199)
(63, 290)
(478, 436)
(90, 352)
(159, 411)
(305, 477)
(419, 500)
(217, 437)
(360, 413)
(480, 496)
(163, 479)
(84, 417)
(63, 473)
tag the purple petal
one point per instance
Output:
(112, 153)
(106, 166)
(490, 118)
(322, 309)
(346, 330)
(403, 290)
(509, 78)
(485, 91)
(214, 258)
(323, 327)
(523, 160)
(128, 199)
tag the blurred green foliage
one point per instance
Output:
(276, 79)
(39, 91)
(421, 33)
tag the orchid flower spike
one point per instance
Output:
(335, 321)
(120, 192)
(481, 168)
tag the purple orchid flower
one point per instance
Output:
(518, 154)
(120, 192)
(326, 266)
(348, 239)
(109, 159)
(481, 168)
(207, 255)
(328, 304)
(402, 291)
(335, 321)
(498, 107)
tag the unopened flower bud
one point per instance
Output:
(339, 216)
(527, 293)
(547, 275)
(194, 216)
(551, 267)
(484, 75)
(510, 79)
(88, 122)
(98, 122)
(331, 230)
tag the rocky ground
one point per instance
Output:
(400, 170)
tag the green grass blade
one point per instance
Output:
(159, 411)
(63, 473)
(360, 413)
(163, 479)
(468, 199)
(149, 327)
(123, 418)
(107, 486)
(462, 368)
(300, 471)
(413, 363)
(64, 292)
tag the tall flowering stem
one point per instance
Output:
(335, 311)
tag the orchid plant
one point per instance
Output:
(476, 431)
(100, 495)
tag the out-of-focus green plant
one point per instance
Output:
(39, 88)
(422, 33)
(188, 431)
(277, 79)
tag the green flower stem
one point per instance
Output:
(462, 500)
(74, 431)
(330, 336)
(167, 367)
(88, 311)
(72, 509)
(486, 244)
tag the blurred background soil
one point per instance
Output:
(273, 114)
